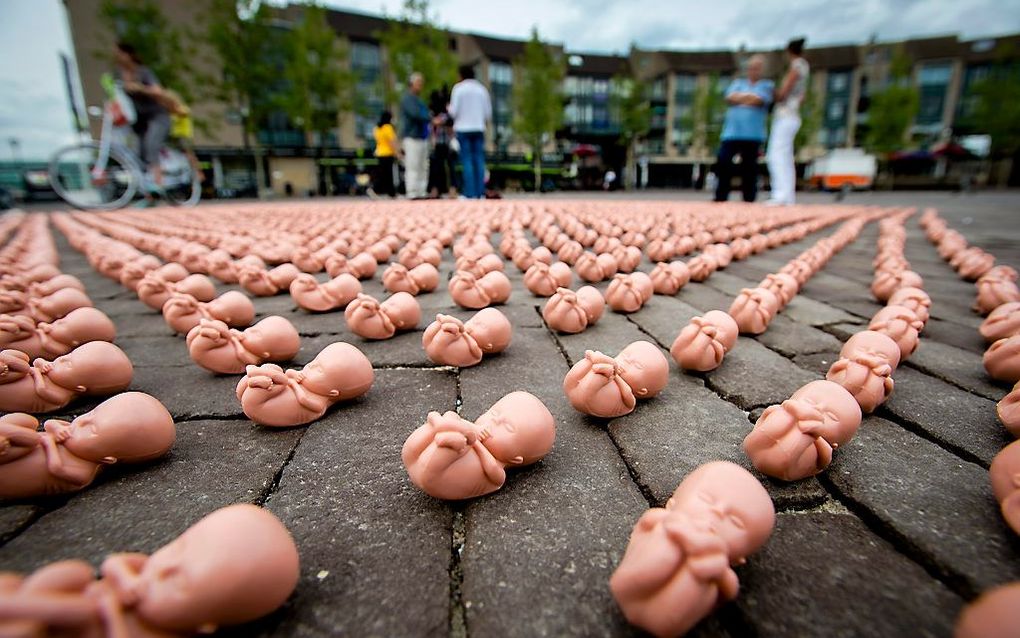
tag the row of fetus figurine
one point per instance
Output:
(998, 297)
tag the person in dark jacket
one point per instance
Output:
(415, 119)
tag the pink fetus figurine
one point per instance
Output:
(669, 278)
(628, 292)
(571, 312)
(1008, 410)
(702, 266)
(1005, 476)
(887, 282)
(368, 318)
(544, 279)
(703, 342)
(55, 306)
(312, 296)
(95, 368)
(450, 342)
(422, 278)
(678, 565)
(49, 340)
(271, 396)
(266, 283)
(753, 310)
(992, 615)
(1002, 359)
(901, 324)
(1002, 322)
(609, 387)
(914, 299)
(231, 567)
(593, 268)
(995, 288)
(182, 312)
(66, 457)
(796, 439)
(453, 459)
(154, 290)
(784, 286)
(224, 350)
(474, 293)
(865, 368)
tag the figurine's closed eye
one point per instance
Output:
(737, 521)
(830, 415)
(706, 497)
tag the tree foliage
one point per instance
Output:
(706, 116)
(414, 43)
(810, 119)
(633, 110)
(162, 47)
(537, 96)
(892, 109)
(318, 80)
(997, 109)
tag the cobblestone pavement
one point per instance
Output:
(890, 541)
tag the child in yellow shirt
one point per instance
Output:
(387, 148)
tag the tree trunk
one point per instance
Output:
(537, 152)
(628, 169)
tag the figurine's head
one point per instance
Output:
(518, 429)
(304, 283)
(645, 369)
(913, 298)
(271, 336)
(726, 500)
(15, 328)
(336, 370)
(96, 367)
(1005, 476)
(825, 409)
(872, 349)
(235, 565)
(131, 427)
(180, 304)
(12, 300)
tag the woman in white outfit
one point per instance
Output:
(785, 123)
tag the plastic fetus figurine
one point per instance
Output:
(453, 459)
(449, 341)
(784, 286)
(796, 439)
(1002, 359)
(887, 282)
(313, 296)
(220, 265)
(1002, 322)
(218, 348)
(470, 292)
(571, 312)
(422, 278)
(544, 279)
(95, 368)
(478, 265)
(368, 318)
(271, 396)
(901, 324)
(992, 615)
(753, 310)
(703, 342)
(130, 427)
(182, 312)
(669, 278)
(1008, 410)
(57, 305)
(914, 298)
(995, 288)
(865, 366)
(593, 268)
(233, 566)
(608, 387)
(627, 292)
(266, 283)
(50, 286)
(362, 265)
(702, 266)
(50, 340)
(679, 561)
(1005, 476)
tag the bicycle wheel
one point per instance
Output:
(78, 179)
(180, 184)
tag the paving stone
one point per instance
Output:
(14, 518)
(940, 510)
(280, 304)
(141, 508)
(189, 392)
(964, 422)
(953, 334)
(818, 362)
(375, 550)
(729, 284)
(687, 425)
(665, 319)
(797, 585)
(141, 325)
(957, 366)
(156, 351)
(612, 333)
(742, 376)
(561, 525)
(815, 313)
(790, 338)
(705, 297)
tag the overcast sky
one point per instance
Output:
(33, 101)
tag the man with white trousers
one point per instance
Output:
(415, 119)
(785, 124)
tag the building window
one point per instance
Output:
(933, 80)
(500, 73)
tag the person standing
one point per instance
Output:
(785, 124)
(440, 164)
(743, 130)
(471, 109)
(386, 151)
(152, 123)
(415, 118)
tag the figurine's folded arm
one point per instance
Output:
(19, 435)
(729, 585)
(493, 469)
(76, 474)
(66, 609)
(120, 572)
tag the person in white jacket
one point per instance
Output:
(785, 124)
(471, 109)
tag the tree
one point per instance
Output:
(537, 97)
(633, 110)
(892, 110)
(705, 119)
(318, 81)
(162, 47)
(414, 43)
(997, 109)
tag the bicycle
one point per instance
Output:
(108, 174)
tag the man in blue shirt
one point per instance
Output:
(744, 130)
